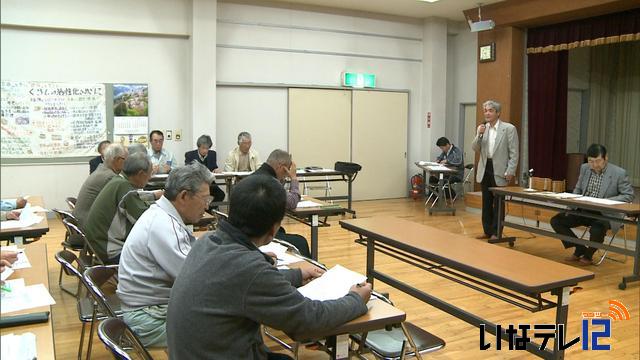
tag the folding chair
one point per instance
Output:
(85, 304)
(449, 186)
(327, 188)
(391, 343)
(117, 337)
(615, 229)
(87, 254)
(71, 202)
(101, 281)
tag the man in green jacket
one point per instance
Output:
(118, 206)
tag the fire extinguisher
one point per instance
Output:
(416, 186)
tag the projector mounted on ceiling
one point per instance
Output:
(481, 25)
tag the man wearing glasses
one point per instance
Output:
(156, 248)
(600, 179)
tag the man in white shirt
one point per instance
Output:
(162, 159)
(155, 250)
(497, 143)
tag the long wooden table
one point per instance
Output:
(228, 179)
(572, 206)
(36, 274)
(508, 275)
(18, 235)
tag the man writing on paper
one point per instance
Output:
(600, 179)
(227, 288)
(497, 143)
(280, 166)
(451, 156)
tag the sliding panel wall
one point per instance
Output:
(379, 128)
(261, 111)
(320, 131)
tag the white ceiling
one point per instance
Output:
(449, 9)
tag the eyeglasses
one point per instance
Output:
(207, 199)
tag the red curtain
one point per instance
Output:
(605, 29)
(547, 103)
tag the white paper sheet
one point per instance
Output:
(332, 285)
(18, 347)
(27, 218)
(307, 203)
(26, 298)
(6, 273)
(438, 168)
(600, 201)
(427, 163)
(22, 262)
(274, 248)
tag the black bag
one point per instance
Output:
(347, 167)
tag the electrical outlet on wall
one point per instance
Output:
(168, 135)
(178, 134)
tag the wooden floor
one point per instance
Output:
(337, 247)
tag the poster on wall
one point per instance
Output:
(51, 120)
(131, 113)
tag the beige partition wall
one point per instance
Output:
(379, 144)
(320, 130)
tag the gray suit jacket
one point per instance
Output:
(89, 191)
(505, 154)
(615, 184)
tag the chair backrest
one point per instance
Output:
(117, 336)
(71, 202)
(538, 183)
(96, 279)
(88, 253)
(67, 259)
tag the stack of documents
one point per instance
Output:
(21, 346)
(332, 285)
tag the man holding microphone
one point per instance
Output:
(497, 143)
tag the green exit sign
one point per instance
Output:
(358, 80)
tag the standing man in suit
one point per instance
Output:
(597, 179)
(497, 143)
(207, 157)
(96, 161)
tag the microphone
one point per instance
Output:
(485, 128)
